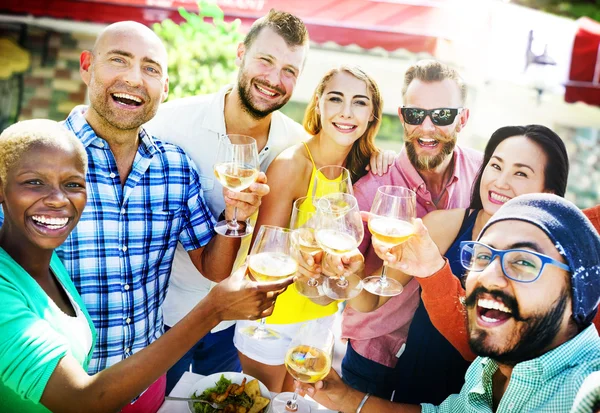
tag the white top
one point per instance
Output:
(78, 324)
(195, 123)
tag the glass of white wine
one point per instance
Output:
(269, 260)
(331, 179)
(303, 222)
(236, 168)
(391, 222)
(340, 230)
(308, 360)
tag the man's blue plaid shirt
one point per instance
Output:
(120, 254)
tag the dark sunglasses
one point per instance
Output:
(439, 116)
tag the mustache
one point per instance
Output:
(508, 300)
(437, 135)
(270, 86)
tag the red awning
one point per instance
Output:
(584, 76)
(390, 24)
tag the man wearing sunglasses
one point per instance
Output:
(441, 174)
(532, 291)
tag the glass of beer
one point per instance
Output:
(340, 230)
(236, 168)
(269, 260)
(391, 223)
(308, 360)
(303, 224)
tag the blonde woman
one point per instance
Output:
(343, 118)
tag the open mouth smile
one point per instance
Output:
(266, 92)
(126, 99)
(428, 143)
(344, 127)
(497, 198)
(49, 224)
(492, 313)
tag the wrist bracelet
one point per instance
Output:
(362, 402)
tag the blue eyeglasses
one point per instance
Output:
(519, 265)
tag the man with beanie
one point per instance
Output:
(532, 291)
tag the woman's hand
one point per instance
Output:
(380, 161)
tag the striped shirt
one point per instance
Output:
(546, 384)
(120, 253)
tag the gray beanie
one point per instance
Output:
(573, 236)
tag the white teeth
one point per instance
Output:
(488, 319)
(51, 222)
(493, 305)
(344, 127)
(499, 198)
(266, 92)
(126, 96)
(427, 140)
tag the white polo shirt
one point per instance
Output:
(194, 124)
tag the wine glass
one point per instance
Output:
(331, 179)
(340, 230)
(236, 169)
(303, 223)
(391, 222)
(270, 260)
(308, 360)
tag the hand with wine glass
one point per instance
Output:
(307, 360)
(340, 231)
(391, 223)
(270, 259)
(419, 256)
(307, 250)
(237, 169)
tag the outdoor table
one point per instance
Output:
(184, 385)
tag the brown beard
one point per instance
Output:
(427, 163)
(244, 85)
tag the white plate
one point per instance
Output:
(210, 381)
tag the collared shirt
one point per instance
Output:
(121, 251)
(195, 123)
(384, 342)
(546, 384)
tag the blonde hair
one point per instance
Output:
(433, 71)
(17, 139)
(364, 147)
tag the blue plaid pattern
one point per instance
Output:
(121, 252)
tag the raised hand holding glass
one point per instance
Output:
(391, 223)
(236, 168)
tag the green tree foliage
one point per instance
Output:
(201, 52)
(573, 8)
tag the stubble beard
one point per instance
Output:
(244, 91)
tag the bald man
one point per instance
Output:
(144, 196)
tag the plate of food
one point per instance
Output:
(235, 392)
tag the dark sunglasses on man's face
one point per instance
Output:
(439, 116)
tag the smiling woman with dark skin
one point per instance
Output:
(47, 337)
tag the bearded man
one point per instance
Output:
(383, 357)
(532, 293)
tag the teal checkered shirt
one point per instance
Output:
(547, 384)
